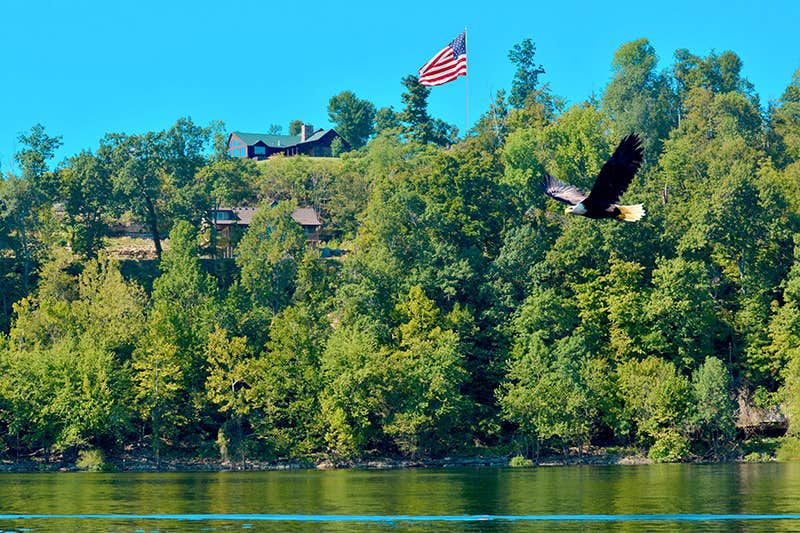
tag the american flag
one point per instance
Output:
(448, 64)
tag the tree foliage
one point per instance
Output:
(449, 305)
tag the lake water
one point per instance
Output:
(741, 497)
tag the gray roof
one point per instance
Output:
(306, 216)
(244, 216)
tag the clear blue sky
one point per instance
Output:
(83, 68)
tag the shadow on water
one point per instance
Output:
(739, 497)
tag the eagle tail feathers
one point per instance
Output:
(631, 213)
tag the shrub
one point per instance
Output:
(519, 461)
(93, 460)
(669, 447)
(756, 457)
(789, 449)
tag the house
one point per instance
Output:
(261, 145)
(308, 219)
(232, 222)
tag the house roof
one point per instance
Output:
(306, 216)
(244, 216)
(274, 141)
(279, 141)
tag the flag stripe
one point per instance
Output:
(436, 58)
(447, 65)
(445, 73)
(446, 68)
(451, 75)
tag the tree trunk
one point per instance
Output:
(152, 222)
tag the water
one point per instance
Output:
(746, 497)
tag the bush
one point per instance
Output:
(669, 447)
(519, 461)
(755, 457)
(789, 449)
(93, 460)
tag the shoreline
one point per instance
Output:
(145, 464)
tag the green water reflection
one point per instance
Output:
(617, 490)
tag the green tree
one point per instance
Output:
(656, 404)
(305, 180)
(268, 255)
(88, 197)
(639, 98)
(183, 148)
(683, 321)
(295, 127)
(426, 373)
(24, 200)
(353, 118)
(170, 358)
(286, 383)
(718, 73)
(354, 398)
(526, 77)
(37, 149)
(136, 163)
(419, 126)
(554, 393)
(715, 415)
(229, 369)
(784, 125)
(386, 119)
(158, 384)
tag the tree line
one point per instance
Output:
(465, 313)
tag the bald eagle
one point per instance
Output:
(613, 180)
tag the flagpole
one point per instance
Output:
(466, 88)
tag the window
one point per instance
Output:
(259, 150)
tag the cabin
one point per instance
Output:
(308, 219)
(259, 146)
(232, 222)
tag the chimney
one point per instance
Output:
(306, 131)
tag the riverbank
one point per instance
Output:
(140, 459)
(139, 463)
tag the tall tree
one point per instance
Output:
(526, 77)
(137, 165)
(353, 118)
(718, 73)
(183, 148)
(269, 255)
(386, 118)
(418, 124)
(639, 98)
(87, 192)
(295, 127)
(38, 149)
(23, 199)
(170, 357)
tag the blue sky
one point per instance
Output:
(83, 68)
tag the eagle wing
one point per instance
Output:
(563, 192)
(617, 173)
